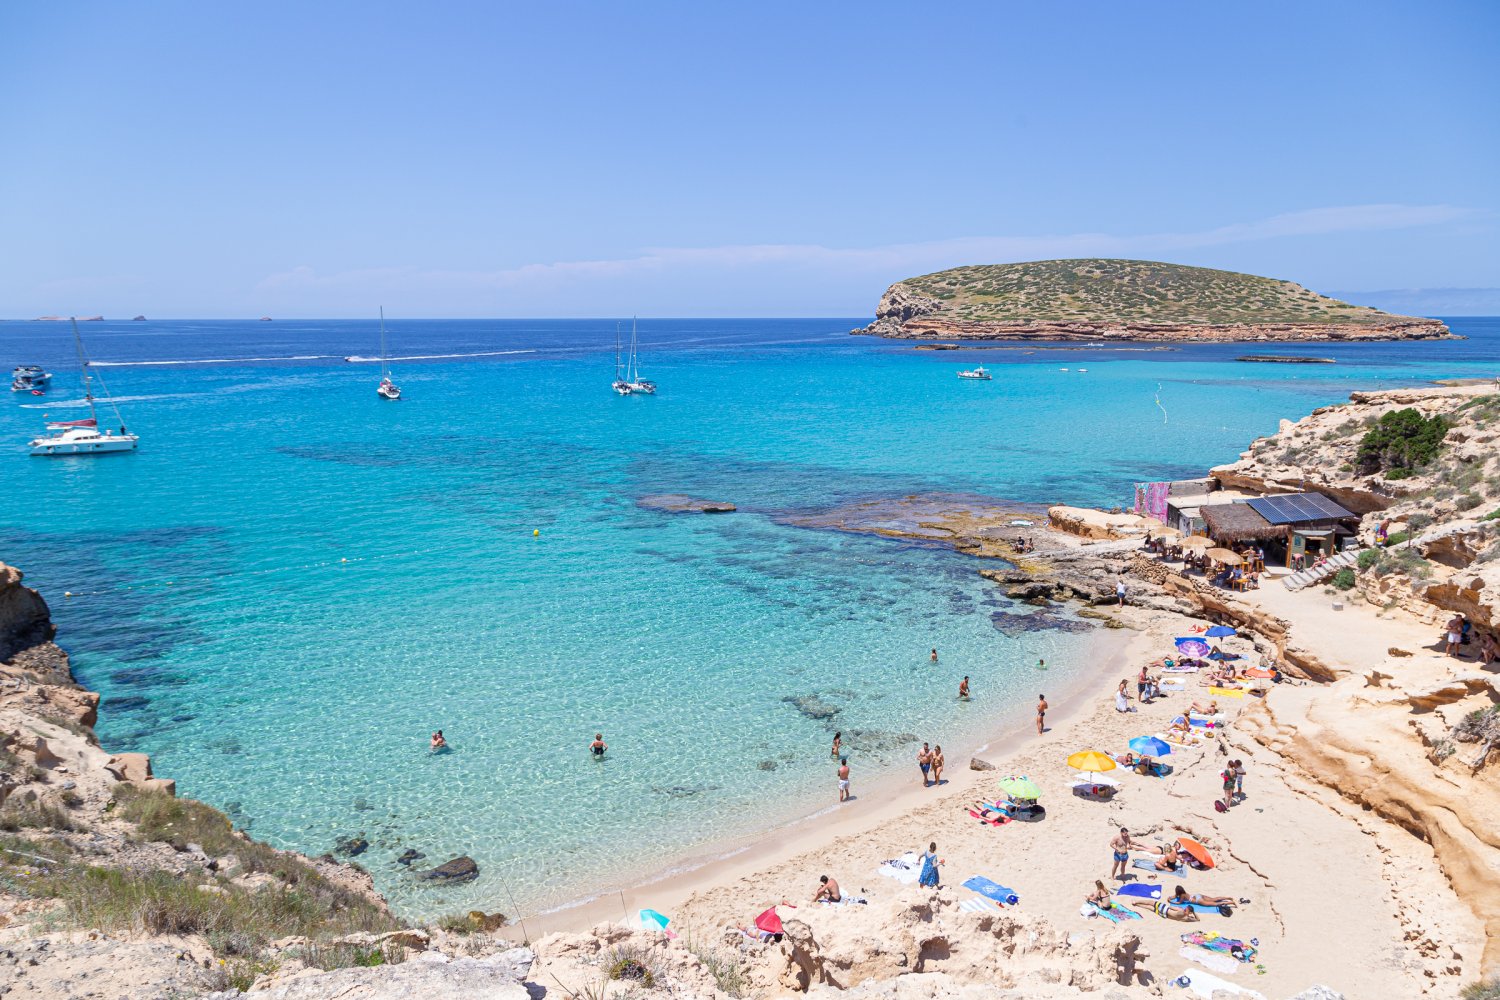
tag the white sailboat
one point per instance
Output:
(83, 437)
(633, 369)
(387, 389)
(620, 385)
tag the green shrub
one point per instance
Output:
(1343, 579)
(1401, 439)
(1368, 558)
(1484, 989)
(1396, 538)
(1398, 473)
(1468, 501)
(1493, 515)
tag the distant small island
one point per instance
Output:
(1285, 359)
(1101, 299)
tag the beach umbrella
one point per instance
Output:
(1220, 632)
(1020, 788)
(1225, 556)
(770, 922)
(1091, 760)
(1200, 853)
(1197, 542)
(653, 921)
(1150, 746)
(1192, 647)
(1259, 673)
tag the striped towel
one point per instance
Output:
(978, 904)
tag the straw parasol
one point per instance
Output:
(1197, 542)
(1225, 556)
(1166, 532)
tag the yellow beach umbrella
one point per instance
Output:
(1091, 760)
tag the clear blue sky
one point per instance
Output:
(587, 159)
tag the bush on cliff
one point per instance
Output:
(1343, 579)
(1401, 442)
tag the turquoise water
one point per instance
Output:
(293, 583)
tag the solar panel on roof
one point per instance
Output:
(1295, 507)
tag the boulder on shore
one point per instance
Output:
(460, 869)
(681, 503)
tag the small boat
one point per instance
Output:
(977, 372)
(83, 437)
(619, 385)
(387, 389)
(29, 378)
(633, 369)
(1083, 369)
(1062, 369)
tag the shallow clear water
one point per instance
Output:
(293, 583)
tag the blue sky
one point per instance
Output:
(592, 159)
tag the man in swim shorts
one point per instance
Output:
(843, 783)
(1120, 844)
(827, 889)
(924, 761)
(598, 747)
(963, 688)
(1041, 712)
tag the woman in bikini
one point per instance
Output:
(937, 764)
(1181, 897)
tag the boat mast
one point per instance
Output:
(632, 370)
(617, 353)
(385, 370)
(83, 368)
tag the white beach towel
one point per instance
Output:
(978, 904)
(905, 869)
(1210, 960)
(1202, 984)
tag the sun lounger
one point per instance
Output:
(992, 890)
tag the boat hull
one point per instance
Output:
(104, 444)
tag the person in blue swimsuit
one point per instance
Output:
(924, 761)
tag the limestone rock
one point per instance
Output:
(428, 976)
(459, 869)
(975, 764)
(679, 503)
(134, 768)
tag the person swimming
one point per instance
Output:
(598, 747)
(438, 743)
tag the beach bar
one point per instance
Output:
(1303, 524)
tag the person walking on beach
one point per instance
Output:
(1120, 590)
(1238, 767)
(838, 740)
(930, 862)
(1122, 699)
(598, 747)
(1041, 713)
(963, 689)
(937, 764)
(924, 761)
(843, 779)
(1228, 776)
(1120, 844)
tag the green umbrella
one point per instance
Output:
(1020, 788)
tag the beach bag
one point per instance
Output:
(1219, 806)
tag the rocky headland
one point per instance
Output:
(1115, 300)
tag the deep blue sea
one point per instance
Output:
(292, 582)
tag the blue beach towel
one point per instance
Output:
(993, 890)
(1140, 889)
(1146, 864)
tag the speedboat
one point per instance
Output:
(29, 378)
(976, 372)
(82, 437)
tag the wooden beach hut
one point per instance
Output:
(1296, 523)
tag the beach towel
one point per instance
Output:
(1000, 820)
(1224, 692)
(1147, 865)
(1203, 984)
(1209, 960)
(846, 901)
(929, 876)
(978, 904)
(904, 869)
(1222, 911)
(1114, 913)
(1140, 889)
(1214, 941)
(995, 891)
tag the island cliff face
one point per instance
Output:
(1126, 300)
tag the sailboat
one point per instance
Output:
(83, 437)
(387, 389)
(619, 385)
(633, 369)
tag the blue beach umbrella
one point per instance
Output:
(651, 920)
(1220, 632)
(1150, 746)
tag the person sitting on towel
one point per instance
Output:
(1182, 897)
(1100, 896)
(1170, 860)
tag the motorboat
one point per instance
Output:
(29, 378)
(83, 437)
(977, 372)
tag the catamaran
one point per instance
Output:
(633, 369)
(620, 385)
(977, 372)
(387, 389)
(83, 437)
(29, 378)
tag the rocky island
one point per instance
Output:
(1099, 299)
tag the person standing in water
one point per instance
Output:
(843, 779)
(438, 743)
(934, 656)
(838, 742)
(598, 747)
(963, 688)
(1041, 712)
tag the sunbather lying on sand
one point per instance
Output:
(1167, 910)
(1182, 897)
(1212, 708)
(987, 810)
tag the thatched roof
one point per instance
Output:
(1237, 522)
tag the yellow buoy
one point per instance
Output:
(536, 532)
